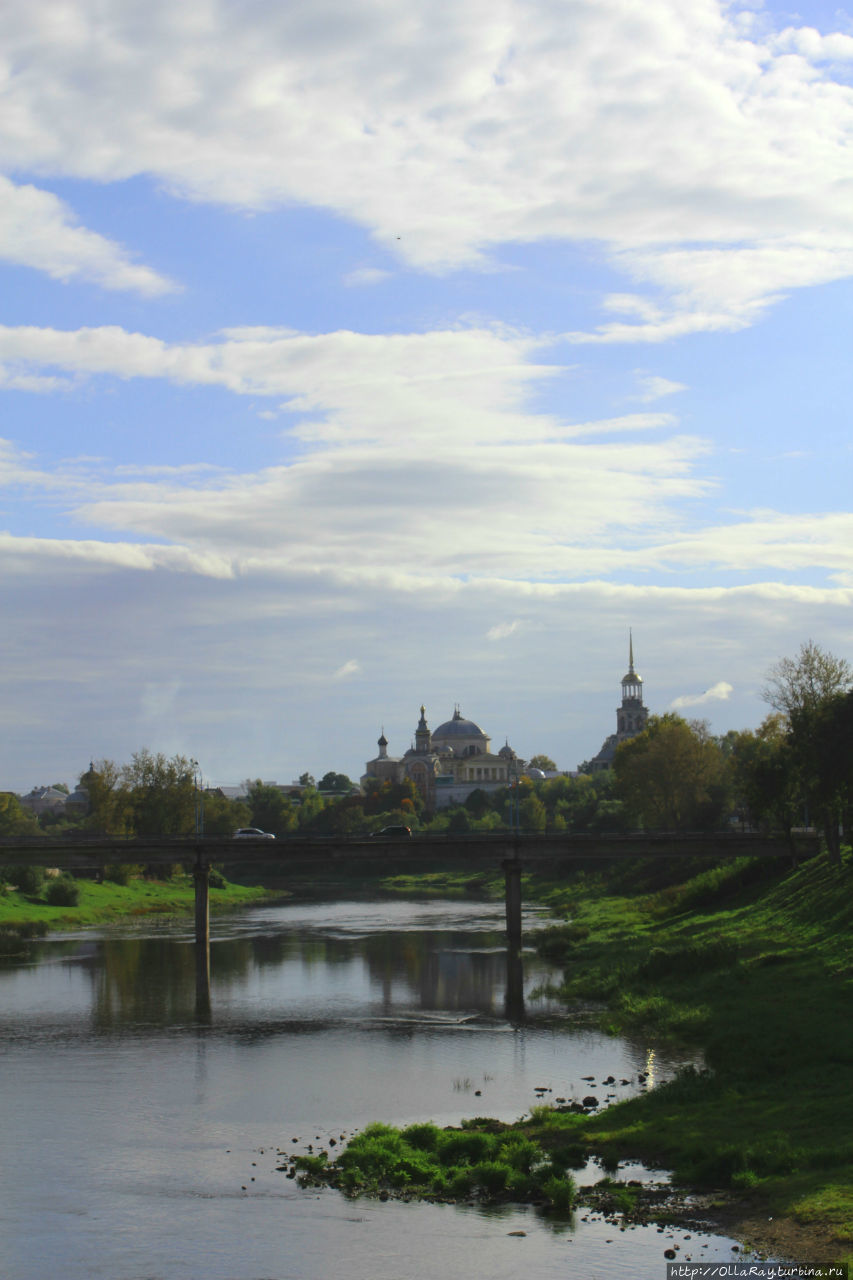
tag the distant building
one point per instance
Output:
(447, 764)
(44, 800)
(631, 717)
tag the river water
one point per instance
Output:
(141, 1132)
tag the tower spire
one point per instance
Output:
(630, 650)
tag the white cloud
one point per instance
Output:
(366, 276)
(503, 629)
(350, 668)
(39, 230)
(695, 144)
(720, 692)
(653, 387)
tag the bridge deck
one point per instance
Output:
(96, 851)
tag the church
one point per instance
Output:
(448, 763)
(631, 717)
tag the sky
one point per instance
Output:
(362, 355)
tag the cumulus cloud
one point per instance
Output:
(39, 230)
(691, 141)
(720, 692)
(591, 498)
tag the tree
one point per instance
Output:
(764, 780)
(823, 743)
(222, 816)
(545, 763)
(532, 814)
(798, 686)
(813, 691)
(306, 780)
(332, 781)
(109, 800)
(163, 794)
(270, 808)
(15, 820)
(671, 775)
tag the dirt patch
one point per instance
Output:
(781, 1238)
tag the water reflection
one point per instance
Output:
(164, 980)
(144, 1134)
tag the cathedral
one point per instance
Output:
(448, 763)
(631, 716)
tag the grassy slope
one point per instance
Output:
(757, 971)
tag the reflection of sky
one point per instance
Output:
(130, 1141)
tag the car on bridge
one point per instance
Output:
(253, 833)
(392, 833)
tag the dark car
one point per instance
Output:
(392, 833)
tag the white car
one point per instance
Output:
(253, 833)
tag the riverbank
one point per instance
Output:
(753, 964)
(31, 914)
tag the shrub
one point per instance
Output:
(491, 1175)
(466, 1148)
(29, 880)
(121, 872)
(63, 892)
(560, 1192)
(216, 879)
(461, 1183)
(424, 1137)
(520, 1153)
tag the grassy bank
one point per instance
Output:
(752, 963)
(755, 965)
(103, 902)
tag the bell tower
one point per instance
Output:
(631, 717)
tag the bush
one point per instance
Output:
(424, 1137)
(560, 1192)
(121, 872)
(466, 1148)
(491, 1175)
(63, 892)
(29, 880)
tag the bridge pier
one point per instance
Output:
(512, 881)
(201, 876)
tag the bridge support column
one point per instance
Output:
(201, 875)
(512, 880)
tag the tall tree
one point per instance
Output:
(671, 775)
(15, 820)
(812, 692)
(798, 686)
(271, 809)
(163, 794)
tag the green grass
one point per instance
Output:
(444, 884)
(108, 901)
(754, 965)
(492, 1165)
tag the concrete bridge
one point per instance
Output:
(510, 850)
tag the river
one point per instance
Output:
(141, 1134)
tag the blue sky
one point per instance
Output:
(371, 354)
